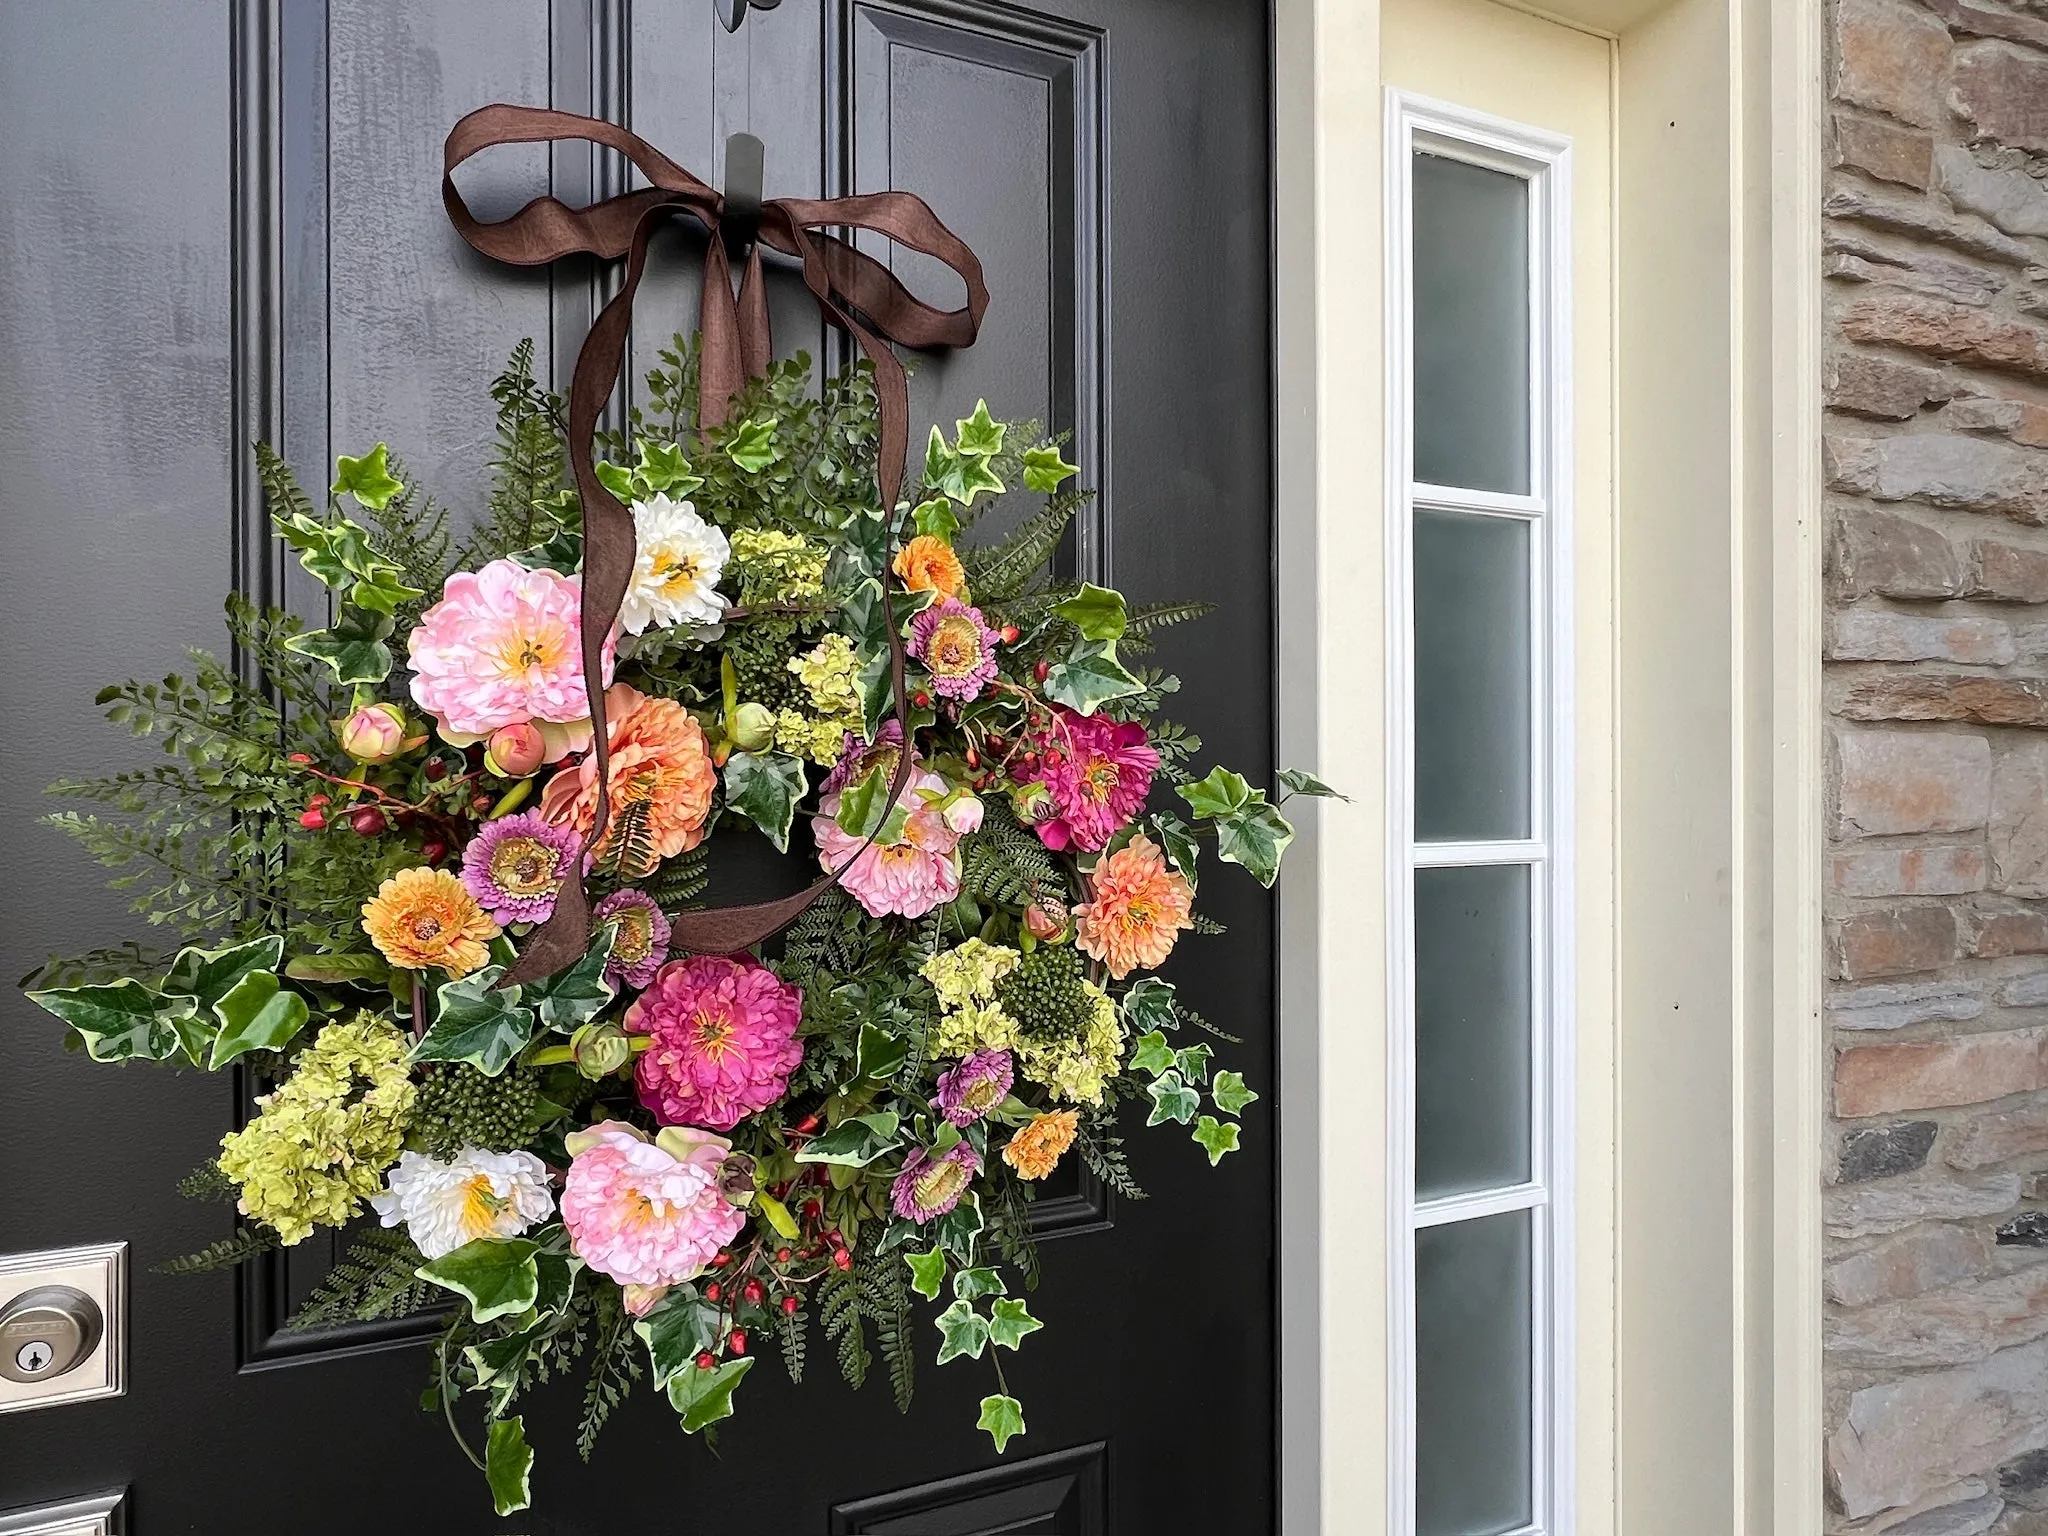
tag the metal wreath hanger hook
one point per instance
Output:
(732, 12)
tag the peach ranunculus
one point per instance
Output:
(1036, 1149)
(1141, 904)
(661, 784)
(425, 919)
(927, 564)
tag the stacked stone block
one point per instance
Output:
(1936, 252)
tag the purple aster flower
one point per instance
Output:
(957, 647)
(976, 1086)
(931, 1184)
(642, 940)
(515, 864)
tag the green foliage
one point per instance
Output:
(1009, 1227)
(614, 1367)
(247, 1243)
(508, 1465)
(885, 1298)
(1102, 1149)
(793, 1332)
(528, 468)
(680, 880)
(478, 1021)
(1006, 571)
(1005, 864)
(496, 1275)
(1216, 1137)
(377, 1280)
(207, 1182)
(1003, 1417)
(840, 1309)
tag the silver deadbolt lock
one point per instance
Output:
(46, 1332)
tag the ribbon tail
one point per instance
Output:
(757, 347)
(720, 361)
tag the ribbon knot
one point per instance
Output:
(855, 292)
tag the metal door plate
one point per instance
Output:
(97, 1515)
(101, 1271)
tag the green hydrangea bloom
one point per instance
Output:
(968, 972)
(1076, 1068)
(777, 567)
(829, 673)
(324, 1138)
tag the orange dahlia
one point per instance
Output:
(1035, 1151)
(661, 784)
(928, 564)
(425, 919)
(1141, 904)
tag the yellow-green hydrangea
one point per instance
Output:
(777, 567)
(975, 1027)
(968, 972)
(324, 1138)
(1077, 1069)
(829, 672)
(801, 736)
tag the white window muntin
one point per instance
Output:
(1543, 161)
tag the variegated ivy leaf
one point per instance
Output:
(257, 1014)
(477, 1022)
(1003, 1417)
(1009, 1321)
(497, 1275)
(1149, 1005)
(1217, 794)
(936, 518)
(1216, 1137)
(1177, 841)
(1172, 1099)
(927, 1272)
(1230, 1093)
(753, 446)
(508, 1465)
(118, 1021)
(576, 993)
(368, 479)
(964, 1330)
(856, 1142)
(1098, 612)
(1297, 782)
(208, 975)
(1192, 1061)
(1089, 676)
(705, 1396)
(969, 1284)
(1152, 1054)
(1254, 837)
(1044, 469)
(677, 1331)
(353, 649)
(765, 787)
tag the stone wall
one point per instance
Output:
(1936, 250)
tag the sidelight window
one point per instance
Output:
(1479, 528)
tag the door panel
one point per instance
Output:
(230, 226)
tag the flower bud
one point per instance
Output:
(753, 727)
(600, 1050)
(516, 751)
(374, 733)
(643, 1299)
(1045, 921)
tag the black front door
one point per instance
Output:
(222, 221)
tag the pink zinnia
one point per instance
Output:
(515, 865)
(503, 646)
(957, 647)
(918, 872)
(725, 1041)
(1100, 782)
(976, 1086)
(931, 1184)
(643, 934)
(647, 1213)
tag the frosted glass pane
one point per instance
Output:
(1471, 275)
(1472, 1029)
(1473, 1375)
(1471, 676)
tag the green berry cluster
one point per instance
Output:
(459, 1107)
(760, 650)
(1048, 994)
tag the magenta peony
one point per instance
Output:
(724, 1040)
(917, 872)
(647, 1213)
(1096, 774)
(502, 647)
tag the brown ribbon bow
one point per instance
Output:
(856, 292)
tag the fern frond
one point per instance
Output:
(885, 1298)
(1102, 1149)
(246, 1244)
(207, 1182)
(614, 1367)
(840, 1310)
(1004, 570)
(375, 1281)
(793, 1333)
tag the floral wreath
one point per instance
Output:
(438, 867)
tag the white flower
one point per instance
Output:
(479, 1194)
(676, 568)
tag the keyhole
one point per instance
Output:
(34, 1355)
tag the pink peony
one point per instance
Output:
(725, 1041)
(920, 870)
(1096, 774)
(502, 647)
(647, 1213)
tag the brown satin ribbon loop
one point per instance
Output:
(856, 292)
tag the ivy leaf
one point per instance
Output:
(980, 434)
(1219, 794)
(861, 807)
(1216, 1137)
(958, 1228)
(704, 1397)
(1172, 1099)
(677, 1331)
(927, 1272)
(118, 1021)
(1044, 469)
(497, 1275)
(938, 458)
(856, 1142)
(617, 479)
(965, 1331)
(1090, 675)
(1150, 1005)
(1003, 1418)
(1230, 1093)
(368, 479)
(971, 1283)
(753, 447)
(477, 1023)
(1254, 837)
(508, 1465)
(1299, 783)
(381, 591)
(1009, 1321)
(339, 970)
(256, 1015)
(765, 787)
(353, 649)
(965, 476)
(662, 467)
(577, 993)
(937, 518)
(1192, 1062)
(208, 975)
(1098, 612)
(1177, 841)
(878, 1054)
(195, 1034)
(1153, 1054)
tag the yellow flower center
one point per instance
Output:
(674, 571)
(940, 1182)
(480, 1205)
(955, 648)
(712, 1031)
(1099, 782)
(636, 937)
(523, 866)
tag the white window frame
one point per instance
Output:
(1543, 160)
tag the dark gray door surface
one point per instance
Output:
(219, 220)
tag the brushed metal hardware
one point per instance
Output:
(63, 1326)
(97, 1514)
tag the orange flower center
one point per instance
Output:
(672, 572)
(712, 1029)
(1100, 780)
(480, 1204)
